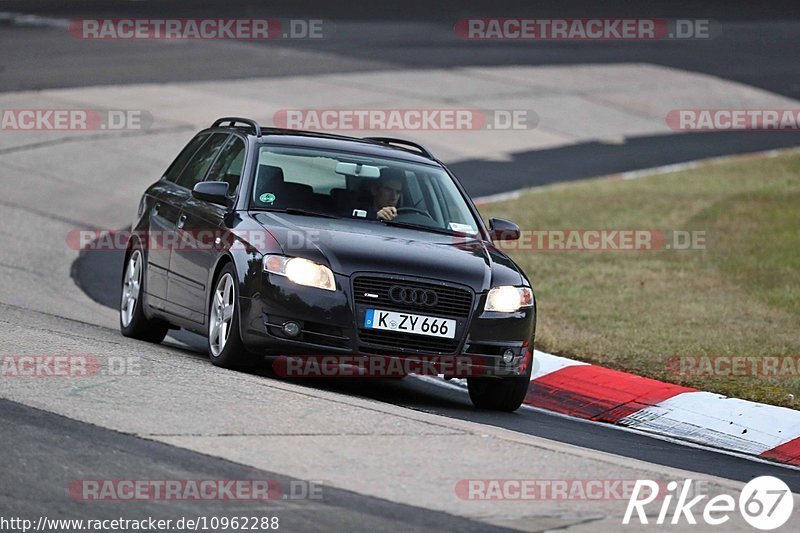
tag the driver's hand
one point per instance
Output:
(387, 213)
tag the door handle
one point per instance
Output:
(181, 221)
(156, 208)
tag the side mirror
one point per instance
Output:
(215, 192)
(503, 230)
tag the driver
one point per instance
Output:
(386, 194)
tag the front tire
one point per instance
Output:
(225, 346)
(504, 394)
(132, 320)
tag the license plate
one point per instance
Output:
(408, 323)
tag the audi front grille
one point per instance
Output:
(450, 301)
(394, 294)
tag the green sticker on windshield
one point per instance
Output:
(267, 198)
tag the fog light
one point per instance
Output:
(291, 329)
(508, 356)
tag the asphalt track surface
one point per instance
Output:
(42, 440)
(757, 45)
(44, 451)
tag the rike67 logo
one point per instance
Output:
(765, 503)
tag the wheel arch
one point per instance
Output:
(241, 266)
(244, 269)
(132, 243)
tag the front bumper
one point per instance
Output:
(329, 324)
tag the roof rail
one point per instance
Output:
(402, 143)
(288, 131)
(233, 120)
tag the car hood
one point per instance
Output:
(352, 246)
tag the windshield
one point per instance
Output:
(360, 187)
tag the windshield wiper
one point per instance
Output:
(432, 229)
(297, 211)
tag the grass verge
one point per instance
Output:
(683, 316)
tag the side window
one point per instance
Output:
(228, 166)
(177, 166)
(196, 170)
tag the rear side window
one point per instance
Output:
(228, 166)
(179, 164)
(196, 170)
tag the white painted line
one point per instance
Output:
(666, 169)
(719, 421)
(22, 19)
(457, 384)
(545, 363)
(679, 167)
(629, 429)
(665, 438)
(499, 197)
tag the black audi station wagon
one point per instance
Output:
(312, 243)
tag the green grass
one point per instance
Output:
(634, 310)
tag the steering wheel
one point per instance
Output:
(401, 210)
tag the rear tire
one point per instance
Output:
(225, 346)
(132, 320)
(504, 394)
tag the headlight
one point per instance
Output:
(508, 299)
(301, 271)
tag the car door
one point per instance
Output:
(182, 284)
(164, 201)
(194, 172)
(203, 222)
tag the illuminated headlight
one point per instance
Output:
(508, 299)
(300, 271)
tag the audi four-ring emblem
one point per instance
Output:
(412, 296)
